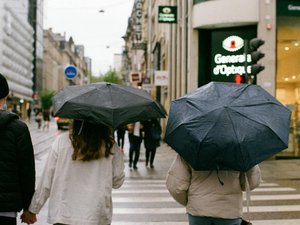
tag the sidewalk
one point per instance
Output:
(280, 169)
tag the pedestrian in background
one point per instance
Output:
(29, 114)
(152, 137)
(82, 168)
(210, 197)
(121, 136)
(135, 139)
(46, 119)
(39, 119)
(17, 168)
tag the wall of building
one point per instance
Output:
(59, 53)
(16, 53)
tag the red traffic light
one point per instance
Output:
(239, 79)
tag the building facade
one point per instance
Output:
(58, 54)
(16, 50)
(36, 18)
(194, 48)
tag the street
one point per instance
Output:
(144, 199)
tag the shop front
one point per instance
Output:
(225, 58)
(288, 69)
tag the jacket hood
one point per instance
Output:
(6, 117)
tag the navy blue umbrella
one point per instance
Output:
(111, 104)
(227, 126)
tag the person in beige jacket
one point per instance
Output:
(210, 197)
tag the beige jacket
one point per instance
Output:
(203, 194)
(79, 192)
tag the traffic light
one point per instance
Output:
(239, 79)
(256, 55)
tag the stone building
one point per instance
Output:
(58, 54)
(16, 50)
(187, 44)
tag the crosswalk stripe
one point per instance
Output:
(271, 222)
(255, 222)
(143, 199)
(260, 189)
(162, 181)
(163, 185)
(274, 197)
(133, 181)
(140, 191)
(150, 223)
(144, 181)
(273, 208)
(127, 211)
(164, 190)
(268, 185)
(152, 198)
(253, 209)
(135, 199)
(144, 185)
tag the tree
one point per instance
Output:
(46, 99)
(110, 76)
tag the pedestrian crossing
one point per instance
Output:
(148, 202)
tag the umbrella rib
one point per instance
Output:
(111, 99)
(253, 120)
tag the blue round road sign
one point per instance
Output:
(70, 72)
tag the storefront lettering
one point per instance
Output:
(138, 20)
(219, 58)
(293, 7)
(167, 17)
(226, 70)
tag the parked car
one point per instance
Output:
(62, 123)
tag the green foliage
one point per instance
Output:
(46, 99)
(111, 76)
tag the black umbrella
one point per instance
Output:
(227, 126)
(106, 103)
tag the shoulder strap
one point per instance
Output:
(248, 197)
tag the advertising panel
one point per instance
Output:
(228, 58)
(288, 8)
(161, 78)
(167, 14)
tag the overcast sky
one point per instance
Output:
(100, 33)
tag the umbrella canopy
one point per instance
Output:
(227, 126)
(106, 103)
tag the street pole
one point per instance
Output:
(246, 43)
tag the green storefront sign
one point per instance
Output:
(288, 8)
(227, 52)
(167, 14)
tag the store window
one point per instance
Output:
(288, 69)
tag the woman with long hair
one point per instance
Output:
(78, 178)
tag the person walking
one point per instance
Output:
(210, 197)
(46, 119)
(17, 166)
(121, 136)
(39, 119)
(29, 114)
(135, 140)
(152, 132)
(81, 170)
